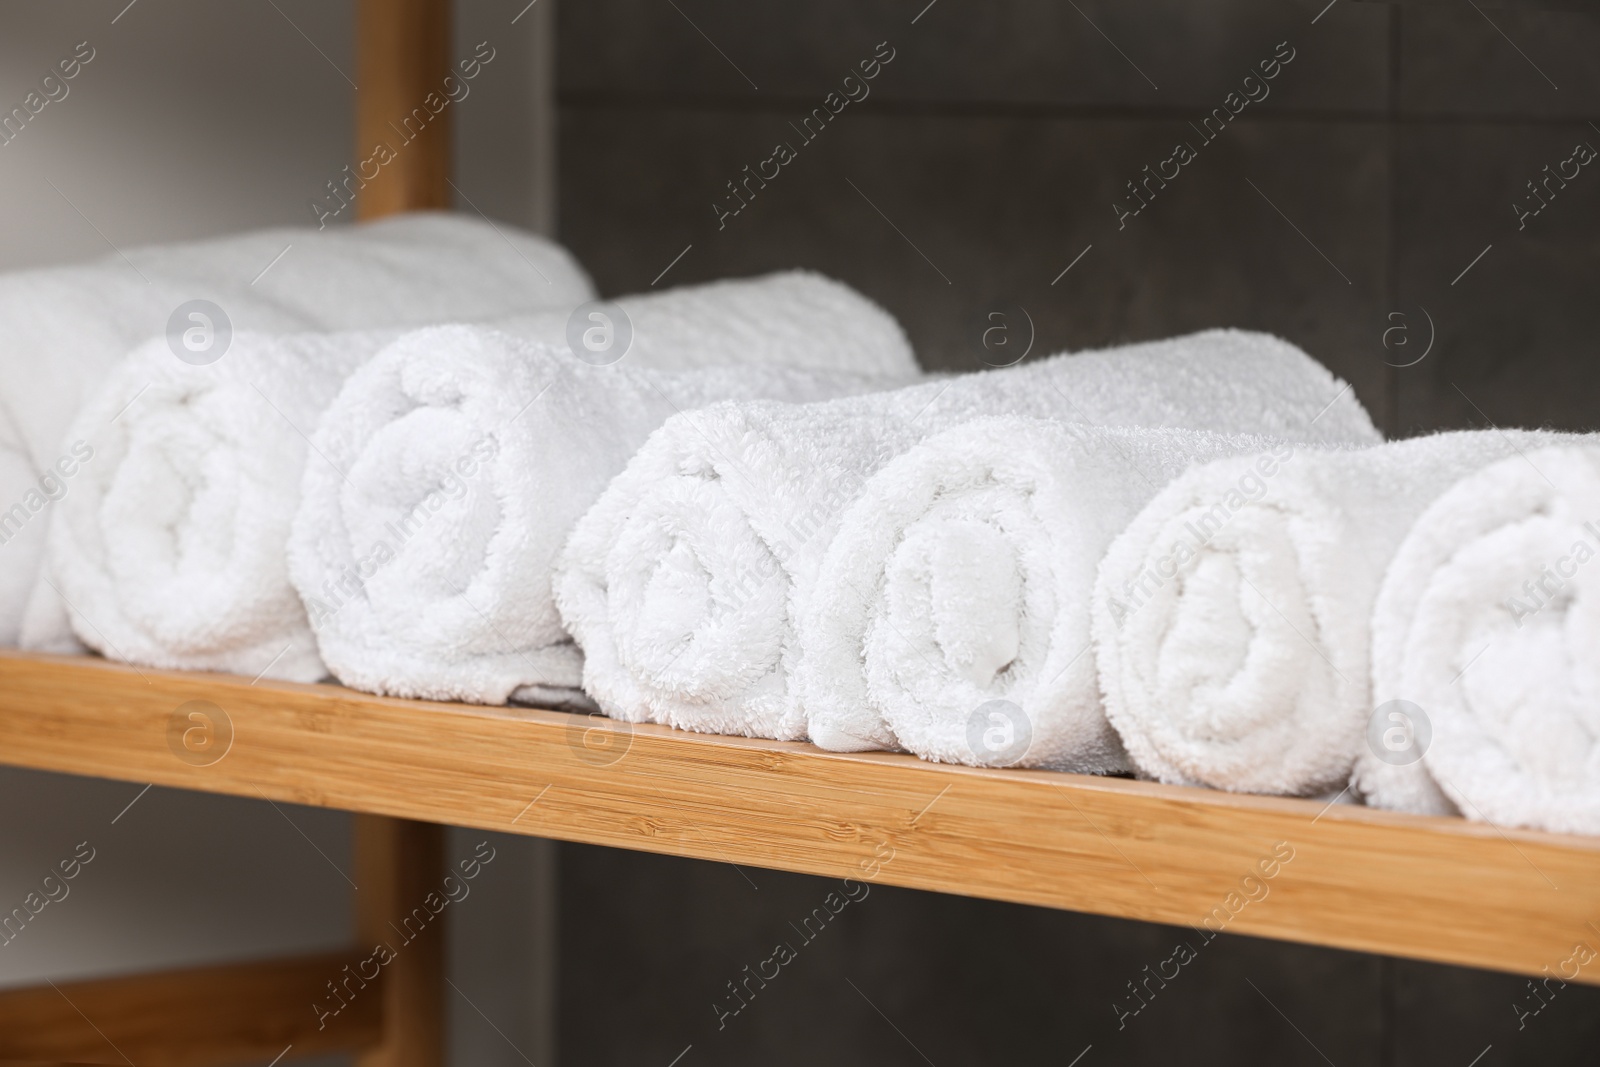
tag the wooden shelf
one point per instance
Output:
(235, 1013)
(1435, 889)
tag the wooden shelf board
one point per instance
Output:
(237, 1013)
(1435, 889)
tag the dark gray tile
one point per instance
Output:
(1514, 62)
(1515, 335)
(903, 977)
(501, 952)
(1451, 1015)
(945, 220)
(1491, 6)
(1161, 53)
(497, 137)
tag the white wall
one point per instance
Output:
(194, 118)
(199, 117)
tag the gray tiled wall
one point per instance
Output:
(986, 158)
(649, 945)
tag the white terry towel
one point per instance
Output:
(954, 600)
(1488, 621)
(792, 318)
(63, 329)
(172, 548)
(683, 581)
(171, 545)
(448, 473)
(1232, 618)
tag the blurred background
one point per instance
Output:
(1386, 206)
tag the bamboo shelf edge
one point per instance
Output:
(220, 1013)
(1445, 890)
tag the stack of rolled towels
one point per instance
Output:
(1194, 560)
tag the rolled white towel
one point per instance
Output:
(455, 463)
(683, 582)
(63, 329)
(951, 612)
(1232, 619)
(170, 546)
(1487, 621)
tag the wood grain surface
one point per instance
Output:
(398, 863)
(196, 1017)
(402, 58)
(1436, 889)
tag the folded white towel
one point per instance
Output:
(1487, 621)
(451, 469)
(683, 581)
(1232, 619)
(951, 611)
(63, 329)
(792, 318)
